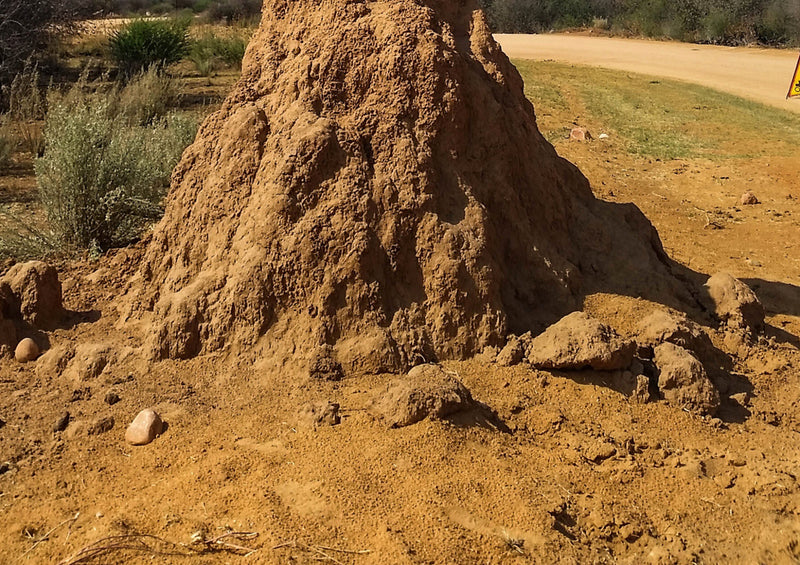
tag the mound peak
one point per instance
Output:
(376, 186)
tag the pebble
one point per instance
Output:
(111, 398)
(749, 199)
(62, 422)
(144, 428)
(26, 351)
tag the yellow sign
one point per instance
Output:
(794, 89)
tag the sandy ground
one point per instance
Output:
(583, 474)
(758, 74)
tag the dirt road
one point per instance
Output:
(758, 74)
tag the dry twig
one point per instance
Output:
(149, 544)
(46, 537)
(321, 550)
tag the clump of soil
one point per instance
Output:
(377, 183)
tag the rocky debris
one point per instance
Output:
(319, 207)
(316, 414)
(324, 365)
(749, 199)
(145, 427)
(427, 391)
(89, 361)
(26, 351)
(514, 351)
(111, 398)
(34, 293)
(667, 327)
(101, 426)
(578, 341)
(735, 304)
(683, 382)
(61, 424)
(580, 134)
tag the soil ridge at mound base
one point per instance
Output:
(376, 182)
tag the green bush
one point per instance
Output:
(142, 44)
(101, 180)
(147, 97)
(209, 51)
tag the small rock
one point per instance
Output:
(749, 199)
(62, 422)
(26, 351)
(425, 392)
(603, 136)
(316, 414)
(5, 467)
(579, 342)
(101, 426)
(111, 398)
(98, 515)
(735, 303)
(144, 428)
(580, 134)
(683, 380)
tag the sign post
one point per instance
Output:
(794, 89)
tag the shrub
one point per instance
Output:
(210, 50)
(7, 142)
(142, 44)
(102, 180)
(27, 106)
(147, 97)
(234, 10)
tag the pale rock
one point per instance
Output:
(144, 428)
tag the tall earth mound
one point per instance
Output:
(377, 183)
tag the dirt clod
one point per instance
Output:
(34, 293)
(735, 304)
(513, 353)
(749, 199)
(668, 327)
(427, 391)
(61, 424)
(316, 414)
(577, 342)
(101, 425)
(683, 380)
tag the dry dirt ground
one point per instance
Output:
(580, 475)
(758, 74)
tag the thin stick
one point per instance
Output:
(47, 535)
(325, 555)
(351, 551)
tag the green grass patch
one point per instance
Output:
(664, 119)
